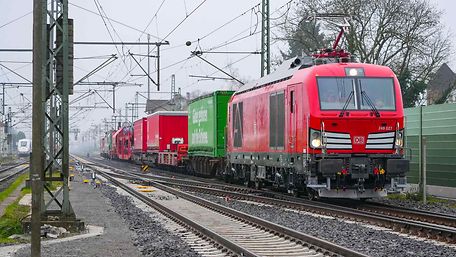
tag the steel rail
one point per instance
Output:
(8, 177)
(422, 229)
(428, 227)
(415, 215)
(12, 167)
(180, 219)
(321, 246)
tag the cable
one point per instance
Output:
(100, 10)
(154, 16)
(115, 21)
(167, 35)
(9, 22)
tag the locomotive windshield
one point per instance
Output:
(335, 93)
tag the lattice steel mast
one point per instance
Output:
(265, 39)
(52, 83)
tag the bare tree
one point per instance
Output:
(405, 35)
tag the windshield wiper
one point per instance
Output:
(370, 103)
(350, 96)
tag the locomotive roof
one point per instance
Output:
(284, 72)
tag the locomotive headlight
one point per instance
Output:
(400, 138)
(354, 72)
(315, 138)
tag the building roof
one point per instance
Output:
(177, 103)
(443, 79)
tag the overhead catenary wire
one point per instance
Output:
(14, 20)
(113, 20)
(101, 12)
(169, 33)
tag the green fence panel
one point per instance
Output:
(438, 124)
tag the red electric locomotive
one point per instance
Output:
(320, 124)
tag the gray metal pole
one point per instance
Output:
(148, 66)
(37, 165)
(3, 96)
(158, 67)
(113, 98)
(424, 171)
(420, 147)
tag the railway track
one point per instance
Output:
(418, 223)
(239, 233)
(9, 172)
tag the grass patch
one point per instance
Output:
(10, 222)
(13, 186)
(7, 159)
(418, 197)
(54, 184)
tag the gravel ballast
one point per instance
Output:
(93, 208)
(152, 239)
(351, 235)
(444, 207)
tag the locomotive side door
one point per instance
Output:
(291, 103)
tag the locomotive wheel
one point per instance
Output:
(258, 184)
(312, 194)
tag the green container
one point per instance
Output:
(206, 124)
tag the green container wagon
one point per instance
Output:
(206, 133)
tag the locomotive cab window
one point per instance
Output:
(379, 92)
(356, 93)
(335, 93)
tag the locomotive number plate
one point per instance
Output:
(358, 140)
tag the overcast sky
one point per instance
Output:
(214, 22)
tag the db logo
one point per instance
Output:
(358, 140)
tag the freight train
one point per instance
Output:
(330, 130)
(322, 124)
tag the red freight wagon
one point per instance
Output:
(139, 139)
(334, 130)
(167, 137)
(113, 150)
(124, 143)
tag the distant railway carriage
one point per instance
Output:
(124, 143)
(139, 139)
(206, 133)
(167, 138)
(334, 130)
(103, 147)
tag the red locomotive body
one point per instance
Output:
(167, 137)
(334, 130)
(139, 139)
